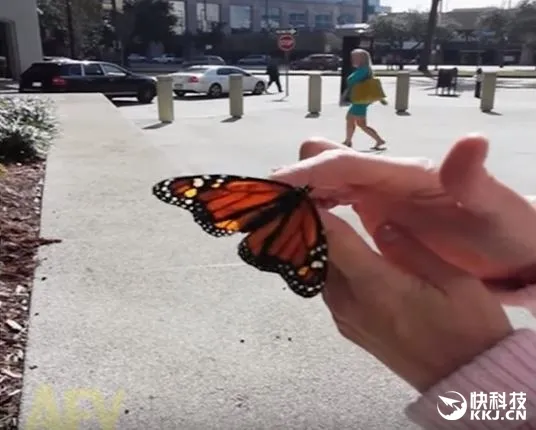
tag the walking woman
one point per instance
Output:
(357, 114)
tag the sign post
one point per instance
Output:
(286, 43)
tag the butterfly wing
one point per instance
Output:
(221, 204)
(293, 245)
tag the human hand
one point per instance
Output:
(424, 321)
(458, 210)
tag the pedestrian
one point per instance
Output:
(357, 114)
(272, 70)
(454, 244)
(478, 82)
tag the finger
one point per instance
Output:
(369, 275)
(525, 296)
(337, 168)
(316, 145)
(337, 295)
(406, 252)
(464, 176)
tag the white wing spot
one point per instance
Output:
(317, 265)
(198, 182)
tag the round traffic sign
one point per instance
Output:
(286, 42)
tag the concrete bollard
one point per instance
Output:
(315, 93)
(487, 93)
(164, 93)
(402, 92)
(236, 96)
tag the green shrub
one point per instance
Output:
(27, 127)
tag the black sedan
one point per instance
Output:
(75, 76)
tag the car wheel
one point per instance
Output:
(179, 93)
(146, 95)
(259, 88)
(215, 90)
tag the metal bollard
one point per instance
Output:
(236, 96)
(487, 93)
(402, 92)
(315, 93)
(164, 92)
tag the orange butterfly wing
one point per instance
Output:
(292, 245)
(286, 234)
(221, 204)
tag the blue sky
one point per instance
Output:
(402, 5)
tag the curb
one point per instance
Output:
(379, 74)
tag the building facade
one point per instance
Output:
(256, 15)
(20, 39)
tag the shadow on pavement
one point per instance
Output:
(312, 115)
(197, 97)
(156, 126)
(126, 102)
(231, 119)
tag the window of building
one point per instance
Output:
(208, 16)
(178, 8)
(323, 21)
(297, 20)
(272, 19)
(240, 17)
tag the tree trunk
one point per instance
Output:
(430, 31)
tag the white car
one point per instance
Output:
(214, 81)
(165, 58)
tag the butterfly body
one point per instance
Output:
(285, 232)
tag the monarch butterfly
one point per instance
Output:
(285, 232)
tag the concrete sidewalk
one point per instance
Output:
(140, 321)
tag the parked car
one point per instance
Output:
(167, 58)
(214, 81)
(204, 60)
(254, 60)
(317, 62)
(75, 76)
(136, 58)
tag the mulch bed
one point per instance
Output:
(20, 213)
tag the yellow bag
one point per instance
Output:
(367, 91)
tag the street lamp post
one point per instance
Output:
(70, 28)
(205, 20)
(118, 52)
(266, 17)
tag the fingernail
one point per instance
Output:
(387, 233)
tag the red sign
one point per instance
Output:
(286, 42)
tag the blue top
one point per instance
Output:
(358, 75)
